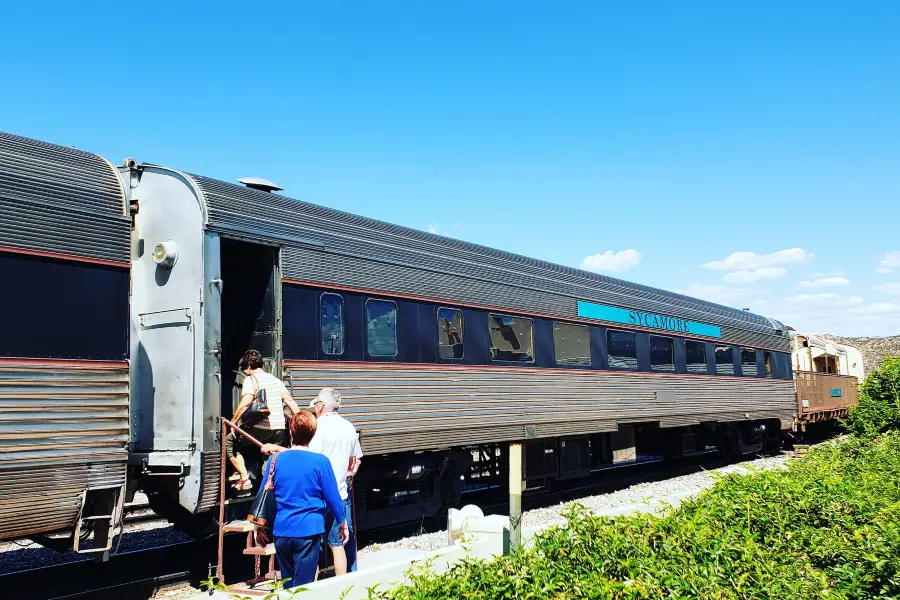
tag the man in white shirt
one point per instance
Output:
(338, 440)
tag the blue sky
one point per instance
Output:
(677, 133)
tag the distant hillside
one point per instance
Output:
(873, 349)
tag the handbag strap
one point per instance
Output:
(270, 484)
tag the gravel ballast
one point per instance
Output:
(656, 491)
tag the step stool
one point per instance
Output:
(255, 550)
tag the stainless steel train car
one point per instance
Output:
(132, 291)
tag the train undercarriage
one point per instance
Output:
(401, 488)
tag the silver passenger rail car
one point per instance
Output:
(444, 350)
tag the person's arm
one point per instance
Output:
(355, 459)
(333, 497)
(289, 401)
(272, 449)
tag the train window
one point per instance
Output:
(695, 356)
(662, 353)
(767, 358)
(748, 362)
(512, 338)
(572, 344)
(725, 360)
(381, 327)
(621, 350)
(450, 333)
(331, 323)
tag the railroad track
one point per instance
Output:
(601, 481)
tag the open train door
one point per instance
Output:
(250, 317)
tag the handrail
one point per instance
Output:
(226, 424)
(242, 432)
(222, 468)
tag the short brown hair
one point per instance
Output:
(303, 428)
(252, 359)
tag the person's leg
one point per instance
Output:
(237, 461)
(284, 553)
(339, 556)
(306, 560)
(350, 548)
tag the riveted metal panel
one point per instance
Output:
(60, 200)
(408, 407)
(332, 247)
(63, 429)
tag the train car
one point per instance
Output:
(444, 351)
(826, 376)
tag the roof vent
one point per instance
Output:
(258, 183)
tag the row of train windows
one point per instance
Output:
(512, 339)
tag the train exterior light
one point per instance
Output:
(165, 254)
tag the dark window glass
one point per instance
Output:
(381, 328)
(725, 360)
(572, 344)
(662, 353)
(450, 333)
(695, 357)
(748, 362)
(332, 324)
(621, 350)
(767, 357)
(512, 338)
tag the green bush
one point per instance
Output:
(828, 526)
(879, 401)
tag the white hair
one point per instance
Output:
(330, 399)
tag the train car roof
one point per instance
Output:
(244, 210)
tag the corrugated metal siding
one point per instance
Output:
(63, 429)
(210, 481)
(349, 243)
(323, 268)
(61, 200)
(404, 407)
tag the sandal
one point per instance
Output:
(242, 485)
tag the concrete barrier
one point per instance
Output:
(484, 538)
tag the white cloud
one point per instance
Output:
(828, 312)
(892, 289)
(823, 282)
(720, 294)
(890, 262)
(879, 308)
(749, 276)
(824, 299)
(612, 261)
(435, 229)
(751, 261)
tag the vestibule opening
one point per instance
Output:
(250, 284)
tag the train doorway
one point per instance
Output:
(251, 298)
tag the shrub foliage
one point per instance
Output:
(827, 526)
(879, 401)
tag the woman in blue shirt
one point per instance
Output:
(304, 487)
